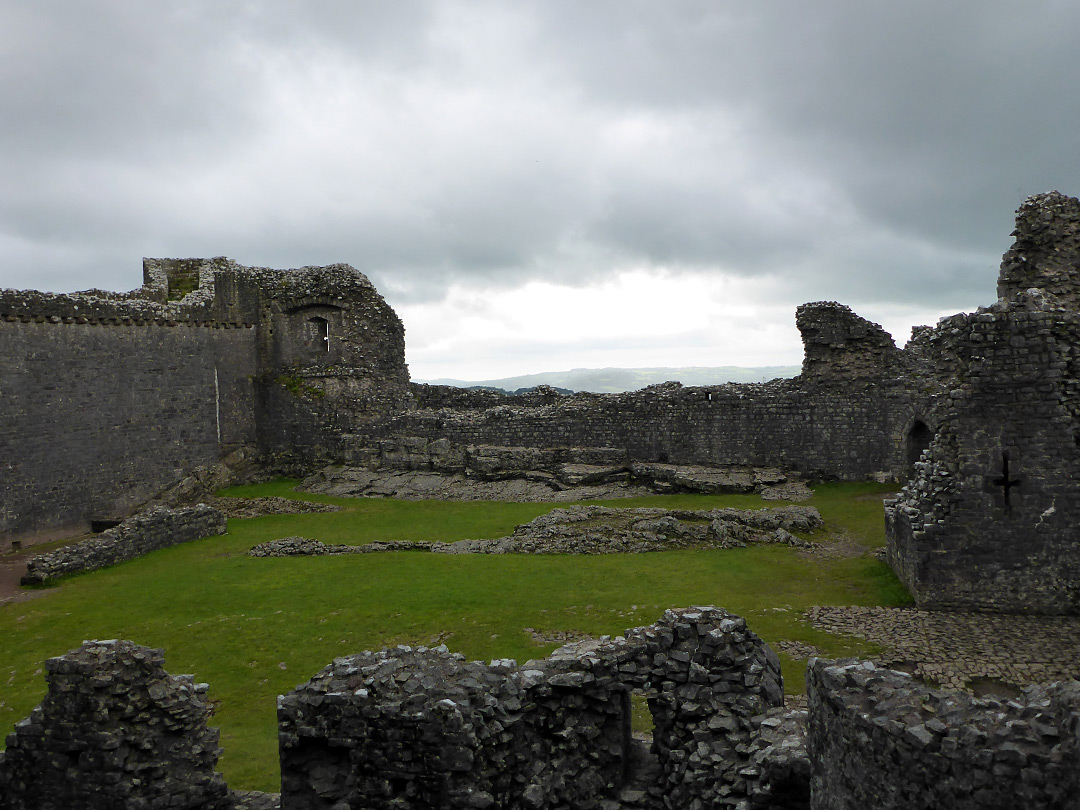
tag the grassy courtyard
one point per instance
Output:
(255, 628)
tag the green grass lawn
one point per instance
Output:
(255, 628)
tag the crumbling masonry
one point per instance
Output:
(424, 729)
(211, 362)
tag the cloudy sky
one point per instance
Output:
(545, 184)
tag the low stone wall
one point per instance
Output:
(599, 530)
(136, 536)
(114, 731)
(877, 739)
(423, 728)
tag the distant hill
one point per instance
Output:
(615, 380)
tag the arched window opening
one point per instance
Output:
(318, 333)
(918, 440)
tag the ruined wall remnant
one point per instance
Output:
(331, 357)
(110, 398)
(134, 537)
(425, 729)
(1046, 254)
(848, 433)
(876, 739)
(841, 348)
(988, 521)
(114, 731)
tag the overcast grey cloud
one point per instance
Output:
(459, 152)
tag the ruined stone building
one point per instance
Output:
(110, 398)
(422, 728)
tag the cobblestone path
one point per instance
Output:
(973, 651)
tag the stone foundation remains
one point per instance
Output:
(600, 530)
(418, 469)
(134, 537)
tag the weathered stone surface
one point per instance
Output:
(976, 652)
(523, 474)
(134, 537)
(779, 772)
(114, 731)
(600, 530)
(876, 739)
(988, 520)
(418, 727)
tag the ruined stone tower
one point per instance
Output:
(989, 520)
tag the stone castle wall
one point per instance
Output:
(110, 398)
(847, 416)
(823, 434)
(989, 520)
(98, 416)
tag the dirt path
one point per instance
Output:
(12, 567)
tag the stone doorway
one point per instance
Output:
(919, 436)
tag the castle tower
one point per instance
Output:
(989, 520)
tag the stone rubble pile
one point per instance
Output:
(306, 547)
(600, 530)
(257, 507)
(156, 528)
(606, 530)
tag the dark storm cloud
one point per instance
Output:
(859, 151)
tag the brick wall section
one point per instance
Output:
(114, 731)
(876, 739)
(136, 536)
